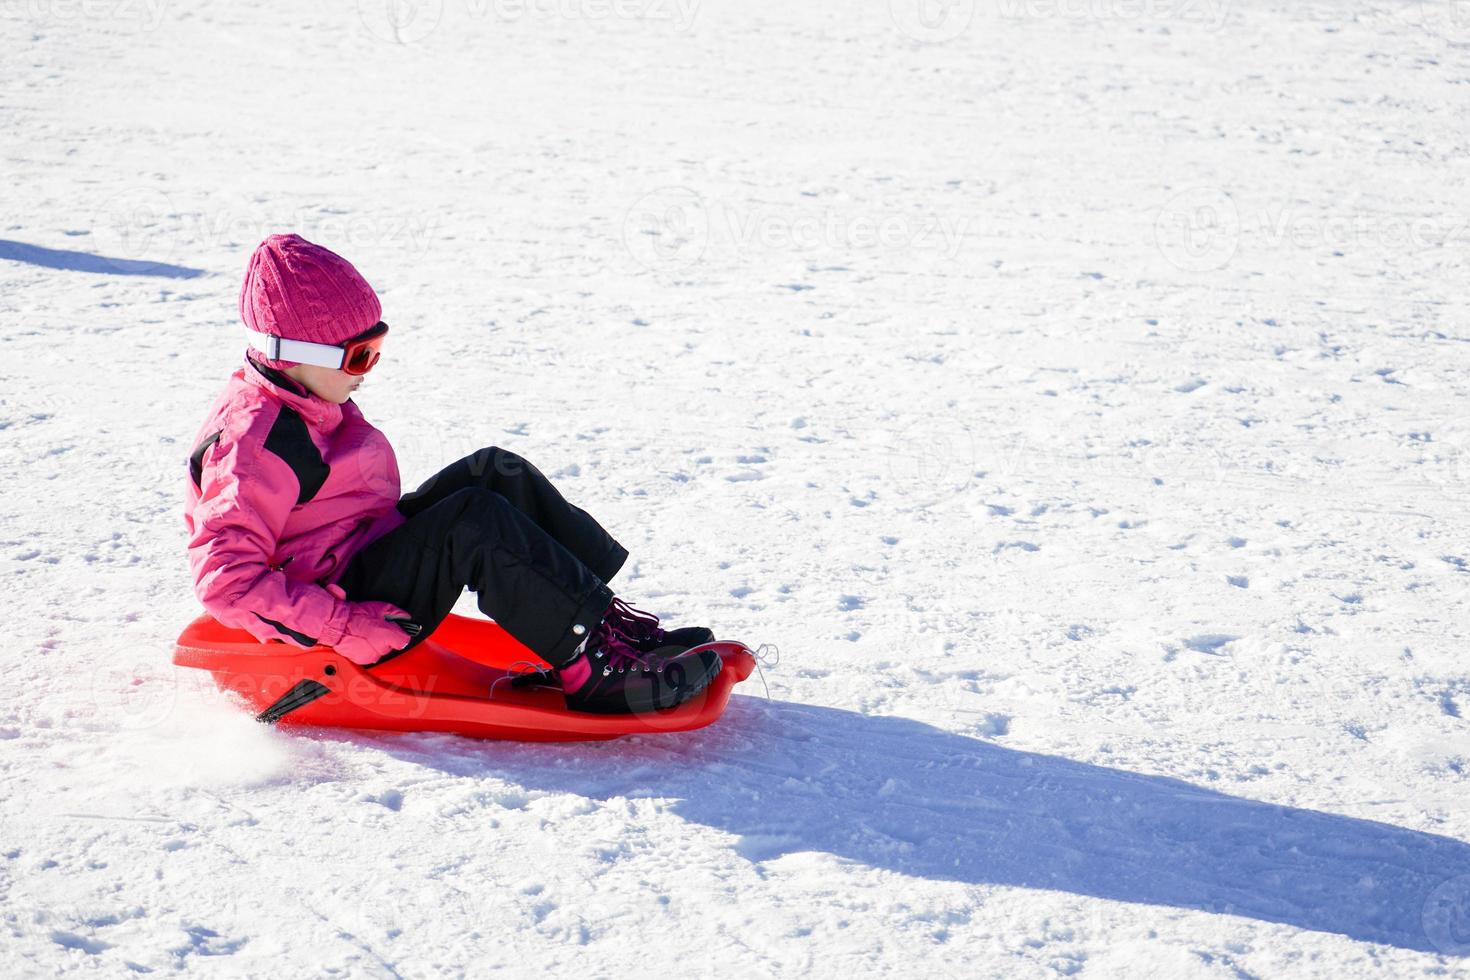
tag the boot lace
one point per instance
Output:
(613, 651)
(635, 625)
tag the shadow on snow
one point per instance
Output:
(897, 794)
(55, 258)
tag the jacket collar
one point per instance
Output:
(319, 412)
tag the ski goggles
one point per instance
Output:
(355, 356)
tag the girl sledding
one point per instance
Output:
(299, 535)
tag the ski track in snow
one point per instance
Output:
(1071, 392)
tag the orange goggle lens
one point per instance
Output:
(361, 352)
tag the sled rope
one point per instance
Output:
(766, 655)
(511, 674)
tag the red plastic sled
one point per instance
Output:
(444, 684)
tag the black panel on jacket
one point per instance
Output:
(302, 638)
(196, 459)
(290, 440)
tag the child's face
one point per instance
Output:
(329, 384)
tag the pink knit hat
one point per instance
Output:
(301, 291)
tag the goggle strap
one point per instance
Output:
(301, 351)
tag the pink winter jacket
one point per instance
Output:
(284, 488)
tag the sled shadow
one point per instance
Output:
(907, 797)
(55, 258)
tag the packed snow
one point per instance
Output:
(1073, 392)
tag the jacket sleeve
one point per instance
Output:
(246, 493)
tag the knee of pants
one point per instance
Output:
(494, 461)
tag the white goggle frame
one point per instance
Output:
(301, 351)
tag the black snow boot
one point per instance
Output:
(641, 629)
(613, 677)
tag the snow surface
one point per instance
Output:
(1073, 391)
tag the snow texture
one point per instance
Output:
(1073, 392)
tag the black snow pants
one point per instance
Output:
(491, 522)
